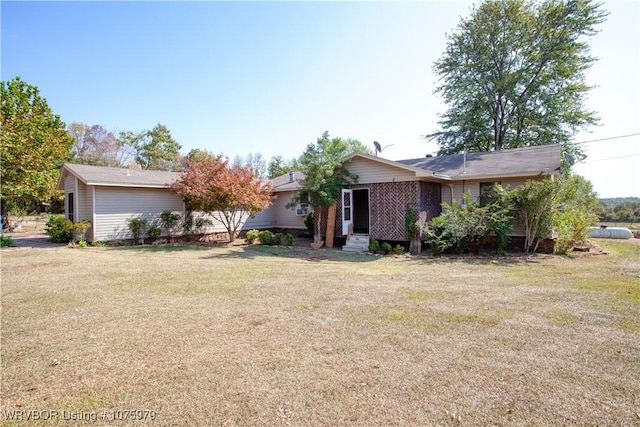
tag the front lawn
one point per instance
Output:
(277, 336)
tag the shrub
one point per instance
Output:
(386, 248)
(398, 249)
(577, 207)
(289, 239)
(83, 244)
(169, 220)
(308, 222)
(100, 244)
(466, 225)
(265, 237)
(6, 241)
(201, 223)
(374, 246)
(154, 231)
(251, 236)
(136, 225)
(277, 239)
(59, 228)
(79, 229)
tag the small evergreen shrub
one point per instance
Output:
(289, 239)
(59, 228)
(100, 244)
(277, 239)
(154, 231)
(308, 222)
(83, 244)
(386, 248)
(374, 246)
(398, 249)
(6, 241)
(136, 225)
(265, 237)
(251, 236)
(169, 221)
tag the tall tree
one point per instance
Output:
(279, 166)
(513, 75)
(94, 145)
(325, 176)
(33, 145)
(154, 149)
(227, 192)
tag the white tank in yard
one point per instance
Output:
(605, 232)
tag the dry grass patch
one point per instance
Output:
(289, 336)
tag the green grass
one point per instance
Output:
(253, 335)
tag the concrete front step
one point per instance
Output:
(357, 243)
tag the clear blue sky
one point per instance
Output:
(271, 77)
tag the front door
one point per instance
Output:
(347, 210)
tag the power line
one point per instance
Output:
(618, 157)
(607, 139)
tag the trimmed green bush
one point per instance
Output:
(386, 248)
(398, 249)
(289, 239)
(265, 237)
(6, 241)
(136, 225)
(277, 239)
(308, 222)
(251, 236)
(59, 228)
(154, 231)
(374, 246)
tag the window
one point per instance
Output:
(487, 192)
(70, 207)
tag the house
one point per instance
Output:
(377, 204)
(375, 207)
(108, 197)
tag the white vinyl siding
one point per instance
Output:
(370, 172)
(84, 203)
(277, 215)
(114, 206)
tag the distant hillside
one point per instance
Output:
(615, 201)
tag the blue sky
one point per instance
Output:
(271, 77)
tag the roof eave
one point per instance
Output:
(524, 174)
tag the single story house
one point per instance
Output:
(375, 206)
(109, 196)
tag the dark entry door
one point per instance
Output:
(361, 211)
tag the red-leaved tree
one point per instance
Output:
(226, 192)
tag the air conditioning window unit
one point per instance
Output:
(302, 211)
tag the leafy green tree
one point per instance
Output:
(325, 176)
(279, 166)
(154, 149)
(513, 75)
(577, 210)
(33, 145)
(359, 147)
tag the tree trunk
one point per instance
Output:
(318, 236)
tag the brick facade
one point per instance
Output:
(388, 203)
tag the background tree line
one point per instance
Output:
(620, 210)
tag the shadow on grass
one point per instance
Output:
(224, 251)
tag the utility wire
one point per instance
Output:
(613, 158)
(607, 139)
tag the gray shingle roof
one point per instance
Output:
(527, 161)
(284, 182)
(109, 176)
